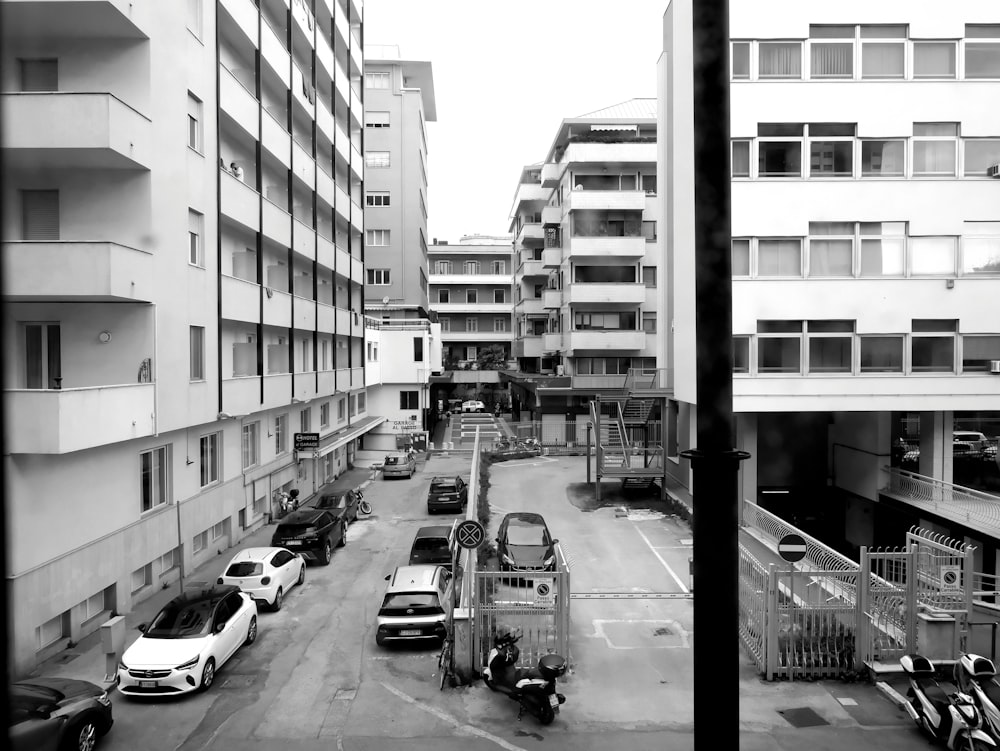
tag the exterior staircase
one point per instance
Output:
(636, 411)
(615, 451)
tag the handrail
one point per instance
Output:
(955, 502)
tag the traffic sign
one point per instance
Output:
(792, 547)
(306, 441)
(951, 578)
(470, 534)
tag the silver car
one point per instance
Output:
(400, 464)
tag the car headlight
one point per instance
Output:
(104, 699)
(122, 665)
(189, 664)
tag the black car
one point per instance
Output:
(63, 713)
(447, 494)
(312, 533)
(524, 543)
(343, 502)
(432, 545)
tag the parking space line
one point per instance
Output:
(660, 558)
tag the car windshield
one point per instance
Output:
(332, 501)
(431, 543)
(245, 568)
(294, 530)
(526, 535)
(392, 460)
(185, 621)
(420, 603)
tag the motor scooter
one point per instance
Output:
(949, 718)
(976, 676)
(534, 689)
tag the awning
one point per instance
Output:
(345, 435)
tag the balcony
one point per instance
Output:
(552, 342)
(74, 419)
(94, 271)
(343, 380)
(74, 131)
(240, 202)
(551, 173)
(606, 200)
(551, 258)
(245, 14)
(624, 152)
(552, 215)
(531, 306)
(357, 378)
(470, 279)
(448, 308)
(531, 193)
(632, 248)
(531, 233)
(477, 336)
(77, 19)
(612, 292)
(529, 346)
(606, 340)
(533, 268)
(552, 298)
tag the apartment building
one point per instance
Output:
(399, 101)
(865, 248)
(182, 286)
(585, 222)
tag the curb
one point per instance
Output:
(890, 693)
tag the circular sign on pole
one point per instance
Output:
(792, 547)
(470, 534)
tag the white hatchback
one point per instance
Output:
(473, 406)
(266, 574)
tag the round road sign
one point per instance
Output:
(470, 534)
(792, 547)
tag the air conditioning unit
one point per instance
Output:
(559, 370)
(993, 170)
(995, 367)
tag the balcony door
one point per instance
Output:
(43, 365)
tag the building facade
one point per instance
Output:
(182, 284)
(865, 247)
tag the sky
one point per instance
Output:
(505, 76)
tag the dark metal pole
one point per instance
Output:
(714, 462)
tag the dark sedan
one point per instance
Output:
(312, 533)
(50, 714)
(343, 502)
(524, 543)
(447, 494)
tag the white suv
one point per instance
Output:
(415, 604)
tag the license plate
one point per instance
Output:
(292, 543)
(410, 632)
(149, 684)
(553, 700)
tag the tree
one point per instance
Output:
(493, 357)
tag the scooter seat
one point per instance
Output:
(992, 690)
(527, 673)
(936, 695)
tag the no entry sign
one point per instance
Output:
(792, 547)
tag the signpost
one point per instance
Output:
(792, 548)
(306, 441)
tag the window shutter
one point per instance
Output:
(40, 215)
(39, 75)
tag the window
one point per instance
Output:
(378, 80)
(934, 149)
(980, 154)
(831, 249)
(471, 296)
(648, 231)
(200, 542)
(218, 530)
(195, 137)
(142, 577)
(779, 257)
(194, 16)
(305, 420)
(154, 477)
(883, 51)
(93, 606)
(741, 354)
(197, 340)
(982, 58)
(881, 354)
(499, 324)
(444, 295)
(779, 150)
(378, 277)
(934, 60)
(374, 119)
(981, 248)
(472, 324)
(779, 60)
(882, 157)
(604, 321)
(649, 276)
(42, 355)
(649, 184)
(442, 267)
(362, 401)
(741, 258)
(649, 323)
(831, 150)
(377, 237)
(471, 267)
(741, 159)
(445, 324)
(498, 267)
(932, 346)
(883, 245)
(280, 434)
(471, 353)
(340, 409)
(779, 346)
(740, 58)
(409, 400)
(39, 215)
(977, 351)
(376, 198)
(169, 561)
(250, 445)
(830, 346)
(418, 349)
(499, 296)
(324, 354)
(210, 458)
(196, 254)
(39, 75)
(352, 405)
(833, 57)
(53, 630)
(932, 255)
(376, 159)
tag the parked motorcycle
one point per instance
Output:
(976, 676)
(949, 718)
(534, 689)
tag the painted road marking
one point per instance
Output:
(660, 558)
(533, 463)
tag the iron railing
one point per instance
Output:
(966, 506)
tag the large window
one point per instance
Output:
(250, 445)
(932, 256)
(498, 267)
(882, 157)
(779, 257)
(881, 354)
(830, 346)
(210, 458)
(609, 321)
(831, 51)
(935, 148)
(409, 400)
(831, 249)
(831, 149)
(740, 60)
(883, 248)
(932, 346)
(981, 248)
(376, 159)
(377, 80)
(39, 215)
(472, 324)
(154, 477)
(470, 267)
(378, 277)
(499, 296)
(378, 238)
(471, 296)
(779, 346)
(442, 267)
(978, 352)
(39, 75)
(499, 324)
(982, 51)
(934, 59)
(980, 155)
(779, 60)
(376, 198)
(883, 51)
(779, 149)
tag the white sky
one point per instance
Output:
(505, 76)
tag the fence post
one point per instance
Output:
(771, 638)
(968, 587)
(911, 597)
(862, 646)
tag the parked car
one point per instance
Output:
(524, 543)
(473, 405)
(57, 713)
(187, 641)
(413, 607)
(312, 533)
(266, 574)
(972, 443)
(400, 464)
(343, 502)
(447, 494)
(433, 545)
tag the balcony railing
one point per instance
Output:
(66, 270)
(971, 508)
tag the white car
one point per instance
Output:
(473, 406)
(266, 574)
(188, 640)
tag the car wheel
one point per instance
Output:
(208, 674)
(327, 552)
(82, 735)
(302, 574)
(251, 631)
(279, 596)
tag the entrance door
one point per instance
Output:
(43, 366)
